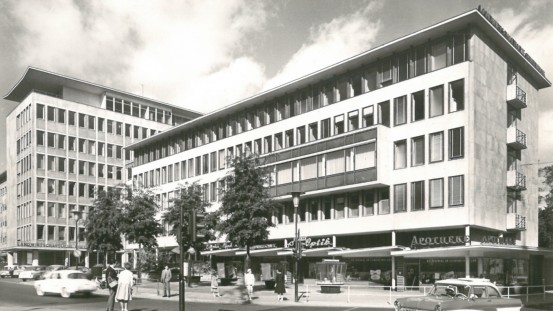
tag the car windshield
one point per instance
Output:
(76, 275)
(449, 290)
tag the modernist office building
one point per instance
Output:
(65, 140)
(411, 157)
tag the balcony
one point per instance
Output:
(516, 138)
(516, 180)
(516, 97)
(516, 222)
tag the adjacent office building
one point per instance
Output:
(414, 158)
(66, 140)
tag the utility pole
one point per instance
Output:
(181, 253)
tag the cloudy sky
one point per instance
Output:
(204, 55)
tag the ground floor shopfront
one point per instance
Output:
(415, 258)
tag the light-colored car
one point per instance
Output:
(66, 283)
(31, 272)
(10, 271)
(460, 294)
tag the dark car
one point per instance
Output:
(460, 294)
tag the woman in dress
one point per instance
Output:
(124, 287)
(215, 284)
(279, 285)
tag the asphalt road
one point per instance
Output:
(15, 296)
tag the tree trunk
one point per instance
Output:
(247, 259)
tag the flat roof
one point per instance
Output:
(477, 17)
(51, 82)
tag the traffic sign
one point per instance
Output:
(77, 253)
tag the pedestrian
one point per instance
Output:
(279, 285)
(124, 288)
(111, 280)
(166, 280)
(215, 284)
(249, 280)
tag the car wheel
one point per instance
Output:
(39, 291)
(65, 293)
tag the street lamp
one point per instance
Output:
(77, 253)
(296, 201)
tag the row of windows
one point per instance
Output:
(24, 165)
(72, 166)
(62, 187)
(23, 142)
(404, 65)
(23, 117)
(81, 145)
(418, 198)
(142, 111)
(24, 187)
(60, 115)
(456, 148)
(57, 233)
(53, 209)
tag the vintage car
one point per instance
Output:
(460, 294)
(66, 283)
(31, 272)
(10, 271)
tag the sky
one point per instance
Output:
(204, 55)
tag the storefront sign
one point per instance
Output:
(436, 241)
(263, 246)
(495, 240)
(310, 243)
(53, 245)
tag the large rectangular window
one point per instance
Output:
(436, 147)
(456, 190)
(400, 154)
(353, 205)
(368, 202)
(457, 95)
(368, 116)
(456, 143)
(308, 169)
(400, 110)
(284, 173)
(417, 196)
(325, 128)
(353, 120)
(417, 106)
(339, 206)
(417, 151)
(436, 96)
(339, 124)
(436, 199)
(335, 162)
(438, 55)
(313, 132)
(365, 156)
(400, 198)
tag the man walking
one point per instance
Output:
(111, 280)
(249, 280)
(166, 280)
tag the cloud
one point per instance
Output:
(329, 43)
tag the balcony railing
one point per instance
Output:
(516, 138)
(516, 97)
(516, 222)
(516, 180)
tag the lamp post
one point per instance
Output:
(296, 201)
(77, 253)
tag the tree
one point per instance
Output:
(139, 222)
(246, 205)
(103, 228)
(545, 215)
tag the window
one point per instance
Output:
(339, 124)
(325, 128)
(278, 141)
(289, 138)
(91, 122)
(400, 154)
(368, 116)
(61, 115)
(335, 163)
(51, 113)
(456, 190)
(400, 110)
(436, 95)
(400, 198)
(417, 196)
(308, 168)
(417, 151)
(368, 202)
(313, 131)
(40, 138)
(71, 118)
(339, 205)
(284, 173)
(221, 159)
(213, 161)
(300, 135)
(353, 205)
(40, 111)
(436, 199)
(51, 140)
(353, 120)
(40, 161)
(457, 95)
(420, 60)
(365, 156)
(458, 48)
(438, 55)
(436, 147)
(82, 119)
(417, 106)
(267, 144)
(61, 141)
(326, 209)
(456, 143)
(313, 210)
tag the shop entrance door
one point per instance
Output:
(411, 274)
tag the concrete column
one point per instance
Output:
(467, 266)
(134, 259)
(393, 272)
(35, 258)
(10, 259)
(480, 267)
(393, 238)
(467, 233)
(87, 259)
(333, 241)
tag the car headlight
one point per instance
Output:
(397, 305)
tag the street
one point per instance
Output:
(18, 296)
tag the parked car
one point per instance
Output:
(9, 271)
(460, 294)
(32, 272)
(83, 269)
(66, 283)
(17, 270)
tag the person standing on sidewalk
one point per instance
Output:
(249, 280)
(111, 280)
(166, 280)
(124, 287)
(279, 285)
(215, 284)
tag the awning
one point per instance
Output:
(262, 252)
(221, 252)
(474, 251)
(315, 252)
(383, 251)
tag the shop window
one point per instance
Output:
(417, 196)
(417, 106)
(400, 110)
(456, 143)
(457, 95)
(456, 190)
(417, 151)
(400, 154)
